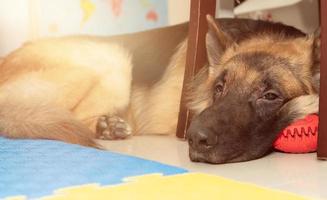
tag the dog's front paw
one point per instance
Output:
(112, 128)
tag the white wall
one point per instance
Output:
(179, 10)
(14, 25)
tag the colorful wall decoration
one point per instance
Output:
(23, 20)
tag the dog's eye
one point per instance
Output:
(219, 88)
(270, 96)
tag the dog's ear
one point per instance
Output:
(217, 41)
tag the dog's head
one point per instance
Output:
(249, 91)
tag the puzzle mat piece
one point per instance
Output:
(36, 168)
(192, 186)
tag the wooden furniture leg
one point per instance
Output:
(196, 54)
(322, 137)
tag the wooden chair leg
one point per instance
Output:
(196, 54)
(322, 137)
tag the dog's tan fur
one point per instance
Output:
(58, 88)
(50, 90)
(158, 116)
(295, 50)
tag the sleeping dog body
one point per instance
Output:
(259, 78)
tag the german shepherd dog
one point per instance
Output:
(259, 78)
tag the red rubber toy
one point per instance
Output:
(299, 137)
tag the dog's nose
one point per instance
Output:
(201, 140)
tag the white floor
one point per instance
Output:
(298, 173)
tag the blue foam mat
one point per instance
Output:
(35, 168)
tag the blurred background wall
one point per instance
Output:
(23, 20)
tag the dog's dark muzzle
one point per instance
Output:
(201, 139)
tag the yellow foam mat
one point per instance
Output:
(190, 186)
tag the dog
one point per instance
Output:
(259, 78)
